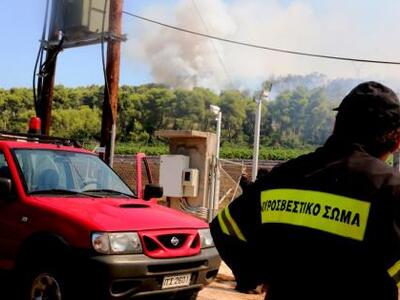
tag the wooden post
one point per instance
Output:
(110, 104)
(46, 96)
(47, 89)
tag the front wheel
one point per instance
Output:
(45, 285)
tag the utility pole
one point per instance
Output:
(266, 89)
(110, 104)
(256, 145)
(76, 23)
(215, 181)
(46, 96)
(45, 102)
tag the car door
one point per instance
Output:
(11, 219)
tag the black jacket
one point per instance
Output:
(321, 226)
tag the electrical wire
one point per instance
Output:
(103, 59)
(240, 43)
(43, 72)
(40, 81)
(35, 99)
(58, 48)
(221, 59)
(39, 58)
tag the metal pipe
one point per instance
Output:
(218, 133)
(256, 146)
(211, 191)
(216, 172)
(112, 144)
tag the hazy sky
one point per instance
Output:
(357, 28)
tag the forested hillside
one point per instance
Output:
(295, 117)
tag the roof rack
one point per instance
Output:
(4, 135)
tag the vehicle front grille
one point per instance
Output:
(150, 244)
(173, 241)
(167, 245)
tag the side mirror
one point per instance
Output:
(5, 186)
(152, 191)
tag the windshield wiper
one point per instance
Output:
(62, 192)
(109, 191)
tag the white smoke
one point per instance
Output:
(336, 27)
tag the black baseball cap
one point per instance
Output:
(373, 104)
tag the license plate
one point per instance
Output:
(176, 281)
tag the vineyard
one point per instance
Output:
(227, 152)
(265, 153)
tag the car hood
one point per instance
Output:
(110, 214)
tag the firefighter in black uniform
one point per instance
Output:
(326, 225)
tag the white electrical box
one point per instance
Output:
(171, 170)
(190, 182)
(85, 16)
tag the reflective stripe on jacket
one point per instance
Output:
(323, 222)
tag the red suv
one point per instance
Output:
(70, 228)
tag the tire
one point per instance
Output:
(44, 282)
(44, 268)
(45, 285)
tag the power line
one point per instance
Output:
(221, 59)
(261, 46)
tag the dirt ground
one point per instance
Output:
(223, 288)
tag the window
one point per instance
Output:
(4, 170)
(69, 171)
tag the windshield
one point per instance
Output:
(69, 172)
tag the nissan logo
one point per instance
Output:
(175, 241)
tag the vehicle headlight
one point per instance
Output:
(206, 239)
(117, 243)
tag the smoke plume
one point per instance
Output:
(334, 27)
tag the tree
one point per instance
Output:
(82, 123)
(129, 125)
(294, 117)
(233, 105)
(155, 110)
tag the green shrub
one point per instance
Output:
(227, 152)
(264, 153)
